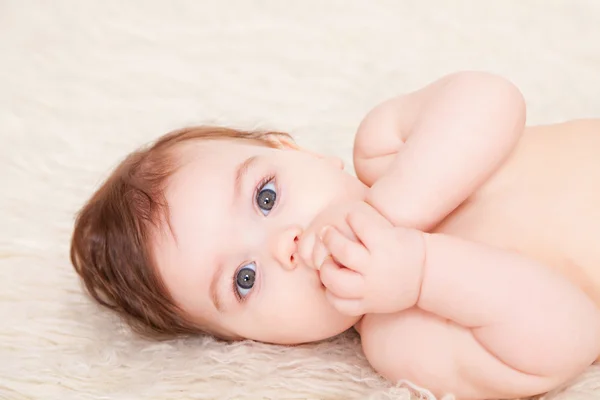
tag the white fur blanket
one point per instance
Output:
(82, 83)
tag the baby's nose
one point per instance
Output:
(286, 246)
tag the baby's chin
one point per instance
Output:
(317, 332)
(330, 323)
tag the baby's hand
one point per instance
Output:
(379, 273)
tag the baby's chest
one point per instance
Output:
(553, 217)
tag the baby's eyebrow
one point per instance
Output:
(240, 173)
(214, 287)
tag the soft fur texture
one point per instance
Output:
(82, 83)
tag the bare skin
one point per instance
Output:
(556, 163)
(512, 218)
(551, 180)
(466, 258)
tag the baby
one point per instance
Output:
(468, 239)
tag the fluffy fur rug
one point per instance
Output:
(82, 83)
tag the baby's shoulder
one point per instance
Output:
(571, 130)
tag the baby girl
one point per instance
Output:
(467, 239)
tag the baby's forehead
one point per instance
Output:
(203, 155)
(202, 176)
(216, 156)
(225, 146)
(210, 162)
(205, 165)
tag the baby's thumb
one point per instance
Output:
(320, 253)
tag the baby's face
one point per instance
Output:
(239, 213)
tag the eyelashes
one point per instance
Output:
(265, 199)
(265, 195)
(243, 280)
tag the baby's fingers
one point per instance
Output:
(350, 254)
(342, 282)
(368, 225)
(351, 307)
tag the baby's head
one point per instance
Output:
(200, 233)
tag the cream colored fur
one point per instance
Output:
(82, 83)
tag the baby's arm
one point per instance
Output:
(494, 322)
(525, 314)
(518, 328)
(424, 153)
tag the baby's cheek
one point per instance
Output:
(254, 237)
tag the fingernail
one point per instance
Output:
(320, 253)
(323, 231)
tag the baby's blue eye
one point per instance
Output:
(265, 198)
(244, 279)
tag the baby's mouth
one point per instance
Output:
(319, 277)
(301, 263)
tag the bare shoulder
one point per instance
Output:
(571, 144)
(569, 129)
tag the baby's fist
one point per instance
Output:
(381, 272)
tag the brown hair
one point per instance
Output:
(110, 247)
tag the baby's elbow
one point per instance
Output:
(580, 349)
(587, 341)
(497, 90)
(492, 82)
